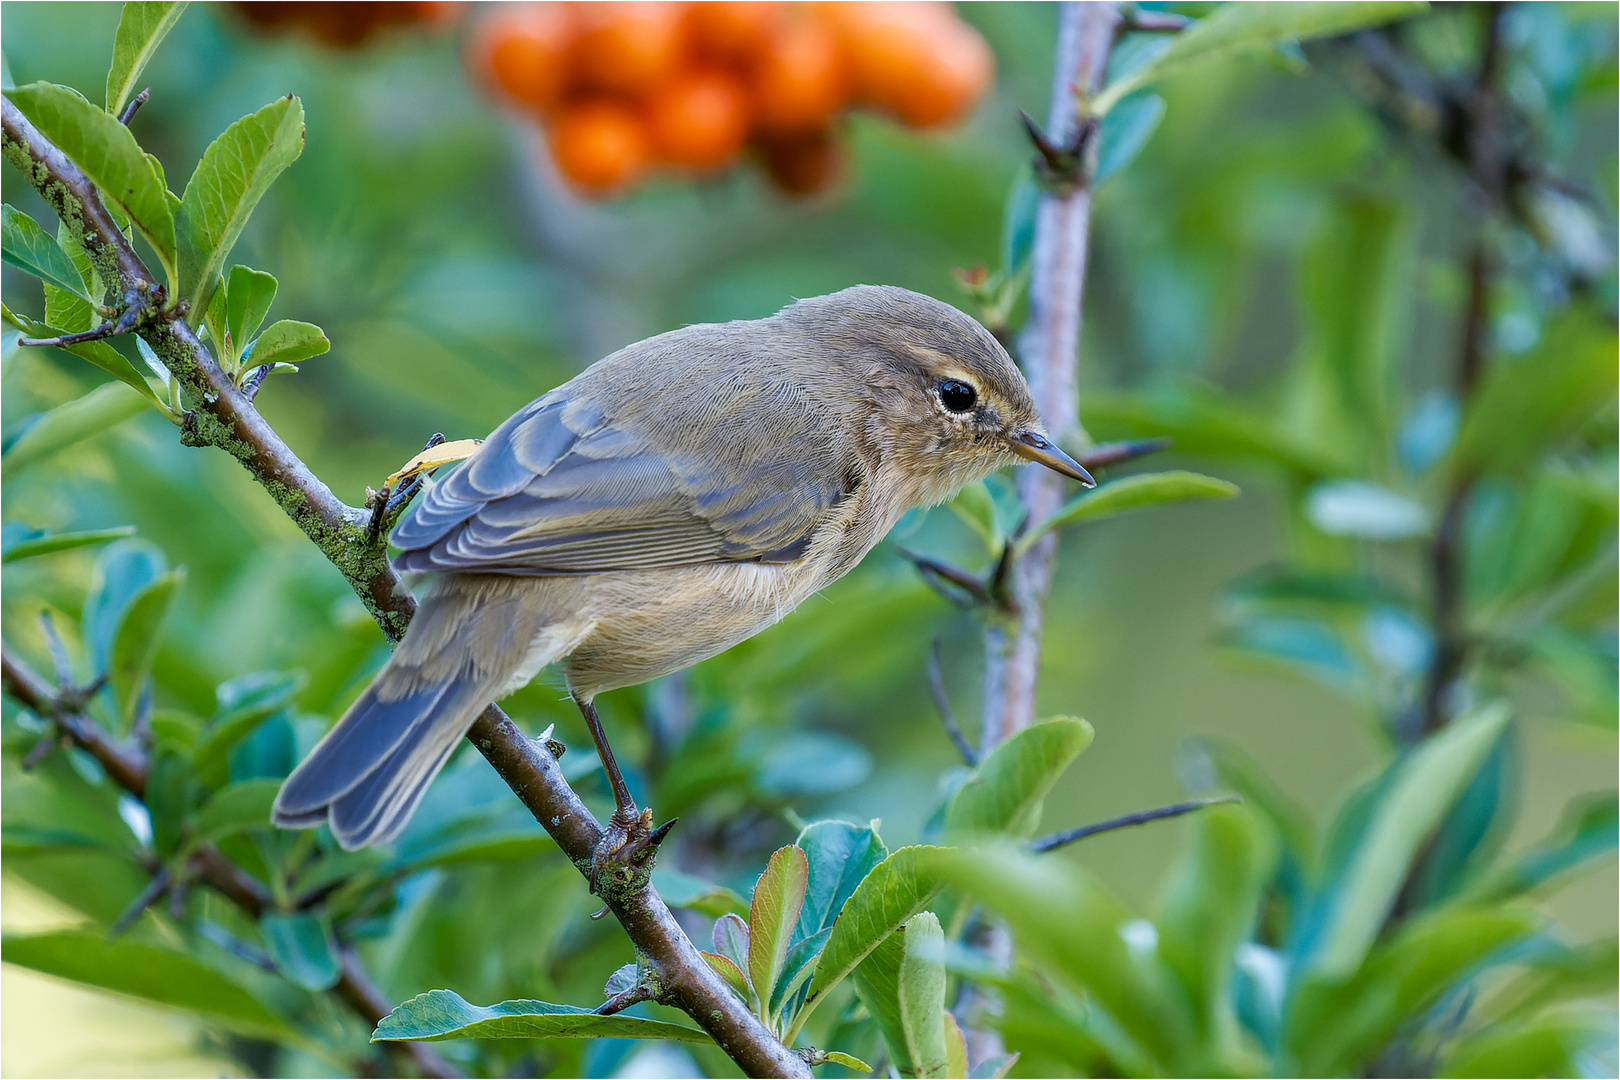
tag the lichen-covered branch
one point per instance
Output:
(221, 416)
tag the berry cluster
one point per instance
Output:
(625, 87)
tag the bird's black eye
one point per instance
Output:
(957, 396)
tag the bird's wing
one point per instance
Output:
(558, 489)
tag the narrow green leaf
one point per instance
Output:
(173, 790)
(245, 703)
(233, 809)
(1234, 28)
(122, 570)
(1553, 1046)
(1130, 493)
(956, 1058)
(144, 971)
(142, 26)
(772, 915)
(65, 309)
(1588, 833)
(1337, 1027)
(287, 342)
(895, 890)
(30, 248)
(115, 363)
(109, 156)
(302, 948)
(105, 406)
(1005, 793)
(1125, 130)
(230, 180)
(49, 543)
(442, 1014)
(134, 648)
(1067, 924)
(848, 1061)
(248, 296)
(1209, 910)
(1422, 788)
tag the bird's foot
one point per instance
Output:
(623, 859)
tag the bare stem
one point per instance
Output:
(226, 419)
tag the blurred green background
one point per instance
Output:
(457, 280)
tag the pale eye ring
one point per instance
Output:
(957, 396)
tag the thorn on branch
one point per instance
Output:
(1115, 452)
(95, 333)
(1068, 836)
(936, 684)
(1061, 167)
(621, 1001)
(42, 750)
(936, 573)
(148, 896)
(134, 106)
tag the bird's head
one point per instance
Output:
(945, 403)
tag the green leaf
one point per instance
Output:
(144, 971)
(1525, 406)
(48, 543)
(109, 156)
(302, 948)
(441, 1014)
(974, 505)
(1209, 910)
(848, 1061)
(1005, 793)
(134, 648)
(233, 809)
(840, 855)
(1554, 1046)
(1125, 130)
(772, 915)
(902, 984)
(1235, 28)
(683, 890)
(233, 175)
(30, 248)
(1070, 927)
(470, 840)
(248, 296)
(1358, 296)
(287, 342)
(895, 890)
(104, 407)
(1338, 1027)
(245, 703)
(1421, 789)
(1130, 493)
(1589, 832)
(956, 1058)
(173, 790)
(141, 29)
(65, 309)
(122, 570)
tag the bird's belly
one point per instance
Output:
(652, 622)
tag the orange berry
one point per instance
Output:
(699, 119)
(626, 46)
(731, 30)
(922, 64)
(601, 146)
(802, 163)
(524, 49)
(800, 80)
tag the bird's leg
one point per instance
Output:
(628, 844)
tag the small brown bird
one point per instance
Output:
(674, 499)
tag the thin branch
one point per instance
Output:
(1056, 840)
(225, 419)
(947, 717)
(134, 106)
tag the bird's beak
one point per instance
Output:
(1033, 446)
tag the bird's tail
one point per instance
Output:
(468, 641)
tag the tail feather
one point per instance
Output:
(471, 640)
